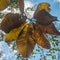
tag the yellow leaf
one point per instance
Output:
(4, 4)
(13, 34)
(25, 42)
(42, 6)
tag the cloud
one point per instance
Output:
(57, 0)
(28, 4)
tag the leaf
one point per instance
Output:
(50, 29)
(44, 18)
(21, 5)
(11, 21)
(41, 39)
(48, 54)
(14, 33)
(25, 42)
(42, 6)
(4, 4)
(40, 34)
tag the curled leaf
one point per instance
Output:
(42, 6)
(14, 33)
(11, 21)
(50, 29)
(44, 18)
(25, 42)
(4, 4)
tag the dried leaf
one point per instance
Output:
(21, 5)
(11, 21)
(51, 29)
(42, 6)
(25, 42)
(14, 33)
(4, 4)
(41, 39)
(44, 18)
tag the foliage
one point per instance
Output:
(27, 35)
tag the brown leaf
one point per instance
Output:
(25, 42)
(50, 29)
(11, 21)
(42, 6)
(41, 38)
(44, 18)
(4, 4)
(21, 5)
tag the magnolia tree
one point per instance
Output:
(23, 36)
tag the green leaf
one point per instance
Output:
(48, 54)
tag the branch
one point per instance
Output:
(21, 5)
